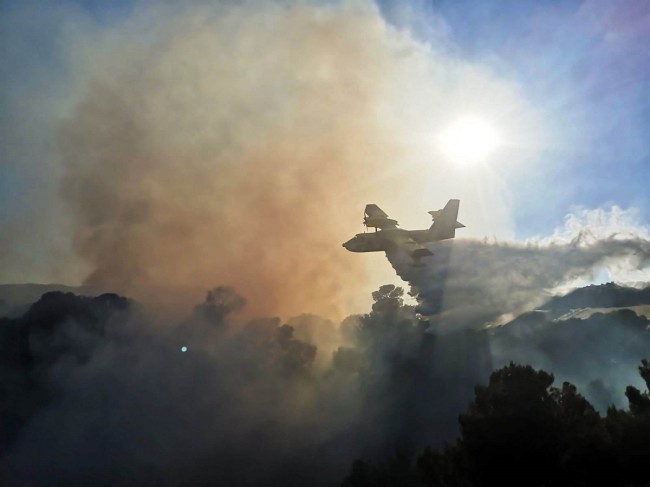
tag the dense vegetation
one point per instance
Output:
(94, 392)
(519, 430)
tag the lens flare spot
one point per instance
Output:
(183, 349)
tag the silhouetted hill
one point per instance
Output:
(608, 295)
(580, 350)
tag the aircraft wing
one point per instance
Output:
(405, 256)
(415, 250)
(376, 217)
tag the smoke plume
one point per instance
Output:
(94, 393)
(218, 149)
(472, 283)
(239, 143)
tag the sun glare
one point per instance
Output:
(469, 140)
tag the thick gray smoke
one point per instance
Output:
(94, 393)
(218, 148)
(217, 400)
(238, 143)
(122, 404)
(479, 285)
(472, 283)
(228, 400)
(228, 145)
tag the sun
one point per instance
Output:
(469, 140)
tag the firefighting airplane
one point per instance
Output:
(387, 236)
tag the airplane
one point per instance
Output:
(387, 236)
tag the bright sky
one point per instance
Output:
(581, 67)
(585, 67)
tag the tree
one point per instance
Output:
(640, 401)
(511, 431)
(296, 356)
(630, 432)
(388, 298)
(519, 430)
(219, 303)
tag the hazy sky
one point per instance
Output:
(585, 68)
(564, 85)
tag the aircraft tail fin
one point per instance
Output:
(444, 221)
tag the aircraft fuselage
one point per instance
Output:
(385, 239)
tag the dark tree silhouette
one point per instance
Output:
(640, 402)
(58, 327)
(519, 430)
(388, 298)
(510, 432)
(296, 356)
(630, 432)
(219, 303)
